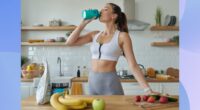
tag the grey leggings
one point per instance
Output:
(105, 84)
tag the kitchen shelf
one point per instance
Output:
(164, 44)
(164, 28)
(43, 44)
(48, 28)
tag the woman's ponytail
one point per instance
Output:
(122, 23)
(121, 20)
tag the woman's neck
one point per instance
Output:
(110, 29)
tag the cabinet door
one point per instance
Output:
(129, 88)
(85, 88)
(132, 89)
(135, 89)
(155, 86)
(25, 91)
(33, 91)
(170, 88)
(77, 88)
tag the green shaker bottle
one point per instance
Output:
(91, 13)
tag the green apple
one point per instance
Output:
(98, 104)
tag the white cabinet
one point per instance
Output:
(24, 91)
(27, 89)
(85, 86)
(170, 88)
(155, 86)
(133, 88)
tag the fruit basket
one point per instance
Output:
(32, 70)
(31, 74)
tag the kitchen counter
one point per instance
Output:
(85, 79)
(26, 80)
(115, 102)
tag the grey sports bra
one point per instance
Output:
(106, 51)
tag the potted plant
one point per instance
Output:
(23, 60)
(158, 16)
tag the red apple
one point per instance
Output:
(137, 98)
(145, 97)
(163, 99)
(151, 99)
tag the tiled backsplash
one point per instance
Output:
(157, 57)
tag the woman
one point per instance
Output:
(106, 48)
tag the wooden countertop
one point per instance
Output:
(114, 102)
(85, 79)
(26, 80)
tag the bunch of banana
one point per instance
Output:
(55, 103)
(88, 100)
(62, 101)
(72, 103)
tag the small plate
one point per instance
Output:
(167, 20)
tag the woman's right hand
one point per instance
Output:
(85, 22)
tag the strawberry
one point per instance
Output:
(145, 97)
(163, 99)
(151, 99)
(137, 98)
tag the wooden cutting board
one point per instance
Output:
(154, 106)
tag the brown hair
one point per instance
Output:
(121, 20)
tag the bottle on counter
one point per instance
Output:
(78, 72)
(84, 71)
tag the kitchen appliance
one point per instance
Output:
(123, 74)
(60, 84)
(133, 23)
(59, 87)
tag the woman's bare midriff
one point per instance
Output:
(103, 66)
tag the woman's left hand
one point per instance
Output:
(151, 92)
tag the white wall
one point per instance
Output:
(42, 11)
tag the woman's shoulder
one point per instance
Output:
(124, 36)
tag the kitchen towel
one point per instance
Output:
(43, 92)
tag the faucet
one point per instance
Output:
(142, 69)
(59, 61)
